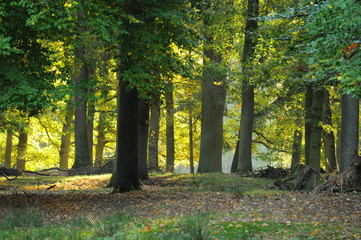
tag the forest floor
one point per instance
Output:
(217, 206)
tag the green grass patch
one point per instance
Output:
(196, 226)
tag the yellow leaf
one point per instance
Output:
(315, 232)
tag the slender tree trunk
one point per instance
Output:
(101, 139)
(234, 165)
(328, 136)
(349, 131)
(21, 157)
(308, 119)
(244, 157)
(316, 130)
(170, 131)
(191, 150)
(90, 128)
(125, 176)
(8, 148)
(296, 148)
(66, 138)
(143, 138)
(154, 135)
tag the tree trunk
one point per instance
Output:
(154, 135)
(244, 157)
(66, 138)
(90, 128)
(170, 131)
(21, 157)
(8, 148)
(191, 151)
(213, 104)
(328, 136)
(143, 138)
(308, 118)
(316, 130)
(91, 68)
(296, 147)
(101, 140)
(82, 157)
(349, 131)
(234, 165)
(125, 176)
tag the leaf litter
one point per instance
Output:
(88, 197)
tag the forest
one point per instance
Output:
(190, 105)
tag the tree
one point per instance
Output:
(170, 130)
(349, 131)
(66, 137)
(244, 157)
(154, 134)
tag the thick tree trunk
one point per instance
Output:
(244, 157)
(66, 139)
(143, 138)
(316, 130)
(213, 104)
(191, 149)
(125, 176)
(8, 148)
(349, 131)
(170, 131)
(296, 148)
(82, 157)
(154, 135)
(328, 136)
(308, 118)
(101, 139)
(21, 157)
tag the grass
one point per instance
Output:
(196, 226)
(26, 223)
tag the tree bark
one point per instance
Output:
(316, 130)
(8, 148)
(328, 136)
(308, 118)
(244, 157)
(191, 150)
(82, 157)
(21, 157)
(154, 135)
(170, 131)
(349, 131)
(296, 148)
(66, 138)
(143, 138)
(101, 139)
(125, 175)
(213, 104)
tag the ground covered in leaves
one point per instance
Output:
(222, 206)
